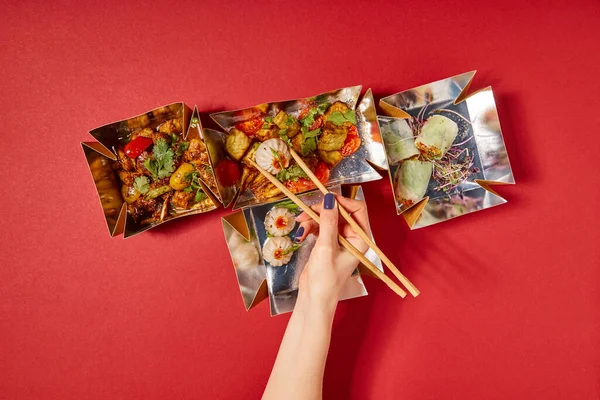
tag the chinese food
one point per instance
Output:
(278, 250)
(424, 149)
(411, 181)
(243, 253)
(273, 155)
(436, 136)
(322, 134)
(399, 141)
(161, 174)
(280, 221)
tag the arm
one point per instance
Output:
(300, 364)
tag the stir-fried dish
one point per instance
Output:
(160, 173)
(322, 134)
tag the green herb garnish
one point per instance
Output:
(310, 118)
(141, 184)
(182, 148)
(339, 119)
(292, 249)
(323, 107)
(193, 179)
(290, 121)
(161, 164)
(289, 205)
(293, 173)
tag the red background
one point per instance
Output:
(509, 304)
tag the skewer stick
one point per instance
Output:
(360, 256)
(359, 231)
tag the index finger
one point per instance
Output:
(357, 209)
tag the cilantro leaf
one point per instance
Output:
(338, 118)
(200, 195)
(290, 121)
(310, 118)
(308, 146)
(350, 116)
(323, 107)
(293, 173)
(141, 184)
(182, 148)
(161, 165)
(310, 134)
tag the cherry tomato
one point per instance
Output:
(322, 172)
(137, 146)
(304, 184)
(352, 142)
(228, 172)
(317, 124)
(249, 127)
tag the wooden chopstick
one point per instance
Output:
(360, 256)
(359, 231)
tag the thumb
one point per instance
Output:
(328, 229)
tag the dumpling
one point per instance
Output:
(273, 155)
(279, 221)
(278, 251)
(243, 253)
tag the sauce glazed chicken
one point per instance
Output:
(160, 173)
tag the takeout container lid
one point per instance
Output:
(101, 154)
(488, 137)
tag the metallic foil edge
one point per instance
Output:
(282, 282)
(488, 139)
(250, 276)
(107, 137)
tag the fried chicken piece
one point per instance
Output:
(337, 106)
(171, 126)
(333, 137)
(331, 158)
(181, 199)
(272, 132)
(284, 121)
(196, 152)
(125, 162)
(237, 143)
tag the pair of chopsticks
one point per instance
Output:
(359, 231)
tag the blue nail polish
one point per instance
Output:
(329, 201)
(298, 234)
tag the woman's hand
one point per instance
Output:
(330, 265)
(298, 370)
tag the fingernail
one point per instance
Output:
(329, 201)
(299, 234)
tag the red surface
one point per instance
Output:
(509, 304)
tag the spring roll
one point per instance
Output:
(398, 139)
(436, 137)
(411, 181)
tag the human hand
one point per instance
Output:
(329, 264)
